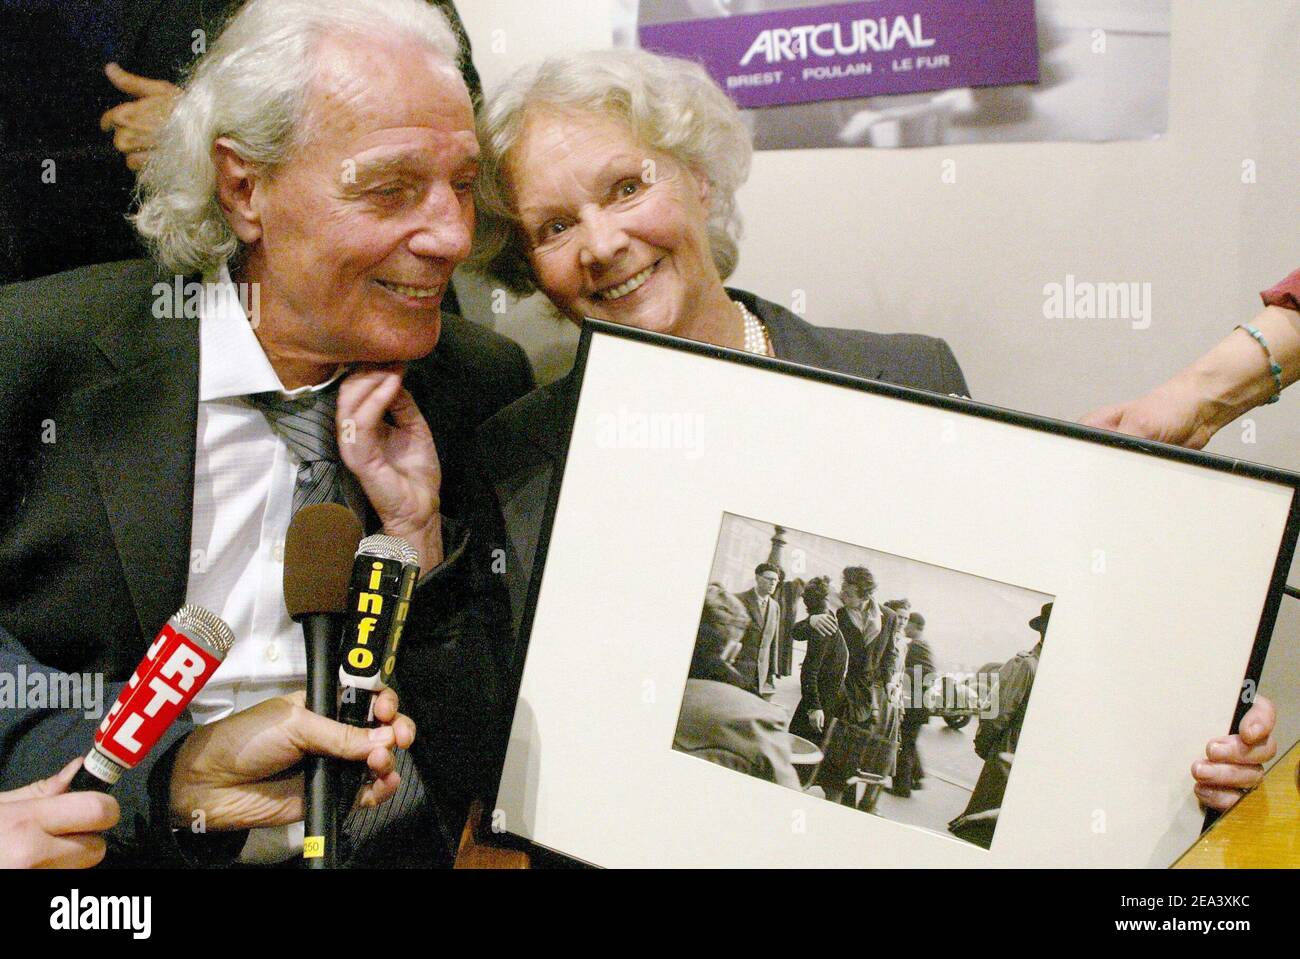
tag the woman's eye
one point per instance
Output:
(628, 188)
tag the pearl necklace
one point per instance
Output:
(756, 338)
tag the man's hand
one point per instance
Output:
(385, 442)
(45, 826)
(135, 123)
(1235, 763)
(240, 771)
(817, 718)
(824, 623)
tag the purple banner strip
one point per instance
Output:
(849, 50)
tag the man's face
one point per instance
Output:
(765, 583)
(913, 630)
(360, 230)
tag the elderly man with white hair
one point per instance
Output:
(161, 421)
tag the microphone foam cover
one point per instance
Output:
(318, 553)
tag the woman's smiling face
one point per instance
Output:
(614, 230)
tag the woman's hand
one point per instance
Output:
(1230, 379)
(1168, 414)
(1234, 764)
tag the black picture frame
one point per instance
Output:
(963, 406)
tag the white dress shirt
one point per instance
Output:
(244, 476)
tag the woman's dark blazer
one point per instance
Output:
(821, 678)
(521, 444)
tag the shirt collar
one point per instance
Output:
(231, 359)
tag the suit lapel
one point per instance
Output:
(430, 379)
(750, 599)
(143, 423)
(795, 339)
(520, 450)
(523, 481)
(531, 432)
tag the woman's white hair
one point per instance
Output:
(671, 105)
(251, 87)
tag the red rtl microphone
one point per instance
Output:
(187, 651)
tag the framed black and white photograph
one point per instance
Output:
(843, 623)
(805, 675)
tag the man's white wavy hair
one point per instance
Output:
(251, 86)
(670, 105)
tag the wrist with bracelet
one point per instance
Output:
(1274, 369)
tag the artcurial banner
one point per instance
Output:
(848, 50)
(808, 74)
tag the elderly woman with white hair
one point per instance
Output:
(608, 183)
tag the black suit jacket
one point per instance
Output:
(98, 412)
(920, 655)
(522, 444)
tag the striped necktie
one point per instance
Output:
(307, 424)
(360, 826)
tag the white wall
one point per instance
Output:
(878, 241)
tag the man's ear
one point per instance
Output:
(238, 182)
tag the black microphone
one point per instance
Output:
(183, 657)
(317, 560)
(384, 572)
